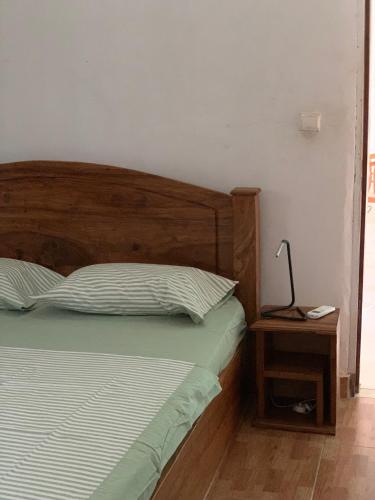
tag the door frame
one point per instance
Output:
(366, 103)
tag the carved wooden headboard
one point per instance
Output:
(67, 215)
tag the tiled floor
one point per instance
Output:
(367, 393)
(276, 465)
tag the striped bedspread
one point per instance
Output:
(67, 418)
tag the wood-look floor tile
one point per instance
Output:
(356, 422)
(269, 465)
(346, 473)
(277, 465)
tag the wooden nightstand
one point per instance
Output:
(296, 360)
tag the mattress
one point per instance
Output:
(210, 344)
(208, 347)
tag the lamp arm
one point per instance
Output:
(290, 273)
(270, 313)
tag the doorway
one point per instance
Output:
(367, 373)
(365, 376)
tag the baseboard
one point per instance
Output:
(347, 386)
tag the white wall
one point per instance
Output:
(206, 91)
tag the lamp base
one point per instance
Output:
(275, 313)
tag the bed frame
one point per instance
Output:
(67, 215)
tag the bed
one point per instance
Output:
(69, 215)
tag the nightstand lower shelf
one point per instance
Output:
(299, 367)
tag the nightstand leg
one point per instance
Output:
(333, 379)
(319, 402)
(260, 373)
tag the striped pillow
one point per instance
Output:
(140, 289)
(20, 280)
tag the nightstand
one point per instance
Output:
(295, 361)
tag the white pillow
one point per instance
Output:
(140, 289)
(20, 280)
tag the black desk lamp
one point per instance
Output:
(271, 313)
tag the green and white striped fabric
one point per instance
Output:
(20, 280)
(68, 418)
(141, 289)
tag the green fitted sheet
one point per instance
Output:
(209, 345)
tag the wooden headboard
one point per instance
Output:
(67, 215)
